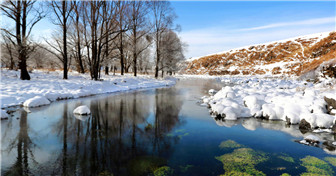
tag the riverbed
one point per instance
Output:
(152, 132)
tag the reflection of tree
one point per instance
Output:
(110, 139)
(168, 106)
(23, 145)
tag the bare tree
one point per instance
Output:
(19, 11)
(8, 51)
(78, 32)
(163, 16)
(62, 11)
(139, 28)
(171, 51)
(122, 20)
(99, 29)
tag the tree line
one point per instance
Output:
(126, 35)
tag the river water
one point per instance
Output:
(152, 132)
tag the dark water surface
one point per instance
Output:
(153, 132)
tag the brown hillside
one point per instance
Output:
(292, 57)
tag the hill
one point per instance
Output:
(294, 56)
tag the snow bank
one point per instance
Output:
(82, 110)
(36, 102)
(50, 85)
(4, 115)
(273, 99)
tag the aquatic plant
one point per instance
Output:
(105, 173)
(163, 171)
(285, 174)
(331, 160)
(229, 144)
(286, 158)
(316, 166)
(145, 164)
(242, 161)
(186, 167)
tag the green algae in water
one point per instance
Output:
(186, 168)
(105, 173)
(229, 144)
(286, 158)
(163, 171)
(331, 160)
(179, 133)
(145, 164)
(242, 161)
(285, 174)
(316, 166)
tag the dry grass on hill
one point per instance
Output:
(293, 57)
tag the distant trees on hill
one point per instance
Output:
(137, 36)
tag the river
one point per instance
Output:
(152, 132)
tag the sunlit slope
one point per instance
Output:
(287, 57)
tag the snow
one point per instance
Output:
(274, 99)
(15, 92)
(212, 91)
(333, 111)
(312, 138)
(36, 102)
(4, 114)
(82, 110)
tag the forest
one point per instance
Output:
(138, 37)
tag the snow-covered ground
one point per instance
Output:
(50, 86)
(275, 99)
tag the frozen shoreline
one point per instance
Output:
(14, 92)
(274, 99)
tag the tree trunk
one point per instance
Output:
(157, 56)
(80, 62)
(21, 39)
(134, 50)
(121, 55)
(106, 70)
(65, 53)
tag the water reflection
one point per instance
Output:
(103, 143)
(23, 145)
(253, 124)
(137, 134)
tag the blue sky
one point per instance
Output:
(215, 26)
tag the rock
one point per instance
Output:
(212, 91)
(331, 104)
(333, 128)
(82, 117)
(288, 121)
(312, 139)
(82, 110)
(304, 126)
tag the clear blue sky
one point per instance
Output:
(215, 26)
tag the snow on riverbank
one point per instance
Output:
(51, 85)
(273, 99)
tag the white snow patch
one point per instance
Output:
(4, 114)
(82, 110)
(312, 138)
(275, 99)
(36, 102)
(50, 85)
